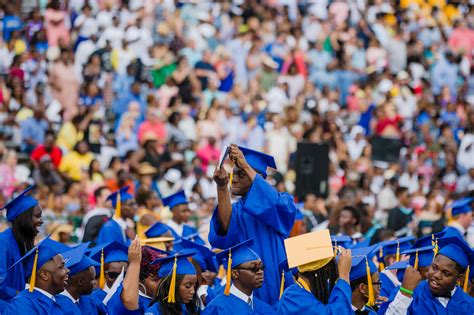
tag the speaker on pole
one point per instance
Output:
(312, 169)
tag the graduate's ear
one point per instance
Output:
(234, 274)
(362, 288)
(43, 274)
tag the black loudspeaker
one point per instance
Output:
(312, 169)
(385, 149)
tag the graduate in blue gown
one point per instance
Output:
(389, 253)
(244, 276)
(439, 294)
(116, 228)
(75, 298)
(365, 282)
(115, 259)
(48, 279)
(176, 288)
(261, 213)
(159, 231)
(24, 214)
(323, 285)
(178, 204)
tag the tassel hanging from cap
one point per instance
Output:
(435, 248)
(415, 265)
(221, 272)
(381, 264)
(231, 176)
(172, 290)
(118, 207)
(282, 284)
(466, 279)
(229, 273)
(371, 301)
(397, 255)
(33, 273)
(102, 271)
(335, 248)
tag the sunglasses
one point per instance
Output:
(114, 275)
(253, 269)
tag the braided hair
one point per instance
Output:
(322, 281)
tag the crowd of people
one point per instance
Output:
(119, 112)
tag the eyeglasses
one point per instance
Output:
(253, 269)
(114, 275)
(377, 284)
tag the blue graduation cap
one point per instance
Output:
(359, 267)
(20, 204)
(394, 247)
(204, 256)
(341, 240)
(258, 161)
(462, 205)
(420, 257)
(369, 251)
(110, 252)
(194, 238)
(457, 250)
(156, 230)
(121, 194)
(361, 244)
(176, 199)
(78, 261)
(399, 265)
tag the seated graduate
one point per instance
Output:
(48, 277)
(204, 262)
(322, 286)
(117, 229)
(157, 233)
(178, 204)
(149, 274)
(439, 294)
(24, 215)
(389, 253)
(131, 295)
(177, 286)
(261, 213)
(365, 282)
(75, 299)
(461, 218)
(244, 275)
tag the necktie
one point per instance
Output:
(447, 295)
(249, 302)
(362, 312)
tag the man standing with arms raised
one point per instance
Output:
(261, 213)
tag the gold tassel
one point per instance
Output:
(118, 207)
(397, 256)
(102, 271)
(435, 249)
(172, 291)
(415, 265)
(335, 248)
(282, 284)
(229, 272)
(221, 272)
(466, 280)
(33, 273)
(371, 301)
(381, 264)
(432, 240)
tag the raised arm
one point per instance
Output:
(130, 290)
(224, 204)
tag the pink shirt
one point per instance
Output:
(158, 129)
(207, 154)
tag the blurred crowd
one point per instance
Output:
(99, 94)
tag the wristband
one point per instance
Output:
(406, 291)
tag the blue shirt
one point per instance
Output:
(11, 23)
(34, 129)
(443, 74)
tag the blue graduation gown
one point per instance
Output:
(33, 303)
(68, 307)
(96, 297)
(111, 231)
(187, 230)
(223, 304)
(425, 303)
(387, 285)
(155, 310)
(12, 281)
(266, 216)
(115, 305)
(296, 300)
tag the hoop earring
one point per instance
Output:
(141, 285)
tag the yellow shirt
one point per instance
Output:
(74, 164)
(68, 136)
(141, 228)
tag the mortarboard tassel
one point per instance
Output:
(371, 301)
(282, 284)
(397, 255)
(335, 248)
(435, 248)
(231, 175)
(415, 265)
(172, 291)
(229, 272)
(102, 271)
(432, 240)
(381, 264)
(33, 273)
(221, 272)
(118, 206)
(466, 280)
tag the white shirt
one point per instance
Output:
(49, 295)
(178, 228)
(392, 277)
(401, 303)
(68, 295)
(241, 295)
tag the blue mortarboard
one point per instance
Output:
(258, 161)
(195, 238)
(124, 196)
(432, 238)
(20, 204)
(368, 251)
(393, 247)
(462, 205)
(400, 267)
(359, 267)
(178, 198)
(183, 265)
(156, 230)
(361, 244)
(241, 253)
(341, 240)
(113, 252)
(425, 256)
(78, 260)
(457, 250)
(204, 256)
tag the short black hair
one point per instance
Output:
(357, 282)
(99, 191)
(354, 211)
(400, 190)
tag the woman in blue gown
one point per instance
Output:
(24, 214)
